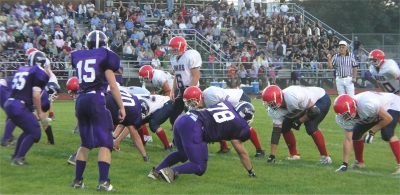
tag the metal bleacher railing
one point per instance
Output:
(284, 76)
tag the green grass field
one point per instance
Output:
(49, 173)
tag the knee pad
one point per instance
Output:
(276, 135)
(202, 169)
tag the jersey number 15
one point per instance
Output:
(87, 72)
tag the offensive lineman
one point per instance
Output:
(386, 72)
(371, 111)
(186, 64)
(195, 98)
(158, 79)
(216, 123)
(308, 105)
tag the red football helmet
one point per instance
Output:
(146, 73)
(179, 44)
(29, 51)
(73, 85)
(376, 57)
(272, 97)
(192, 96)
(345, 107)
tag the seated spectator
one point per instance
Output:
(145, 60)
(116, 44)
(147, 9)
(90, 7)
(271, 74)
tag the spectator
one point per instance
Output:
(155, 62)
(90, 7)
(356, 45)
(145, 60)
(147, 9)
(242, 74)
(71, 10)
(128, 50)
(95, 22)
(284, 9)
(211, 60)
(253, 74)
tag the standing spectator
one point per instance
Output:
(253, 74)
(211, 60)
(155, 62)
(284, 9)
(170, 5)
(346, 69)
(356, 46)
(242, 74)
(262, 75)
(232, 74)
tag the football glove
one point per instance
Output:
(369, 137)
(296, 124)
(251, 173)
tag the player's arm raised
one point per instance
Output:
(115, 92)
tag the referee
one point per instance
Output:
(346, 69)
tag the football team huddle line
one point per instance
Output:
(214, 114)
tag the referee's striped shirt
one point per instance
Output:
(344, 64)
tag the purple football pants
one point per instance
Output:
(23, 118)
(190, 146)
(94, 121)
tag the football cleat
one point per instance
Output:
(342, 168)
(77, 184)
(168, 174)
(148, 138)
(271, 159)
(397, 172)
(53, 118)
(224, 151)
(168, 149)
(7, 144)
(19, 161)
(76, 130)
(72, 160)
(325, 160)
(358, 165)
(105, 186)
(260, 153)
(294, 157)
(154, 174)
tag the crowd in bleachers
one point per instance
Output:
(280, 36)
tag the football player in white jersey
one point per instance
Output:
(308, 105)
(159, 110)
(160, 81)
(186, 64)
(195, 98)
(385, 71)
(278, 115)
(371, 111)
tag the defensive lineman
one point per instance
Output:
(369, 111)
(195, 98)
(218, 122)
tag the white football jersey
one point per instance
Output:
(53, 78)
(189, 60)
(213, 95)
(277, 115)
(3, 82)
(160, 77)
(137, 90)
(155, 102)
(297, 98)
(368, 105)
(387, 76)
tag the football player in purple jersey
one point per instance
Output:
(27, 85)
(95, 69)
(196, 128)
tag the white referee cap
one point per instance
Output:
(343, 43)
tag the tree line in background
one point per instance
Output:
(355, 16)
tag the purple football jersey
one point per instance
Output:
(222, 122)
(90, 66)
(132, 109)
(5, 92)
(25, 79)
